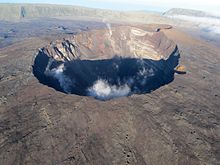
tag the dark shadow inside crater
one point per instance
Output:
(105, 79)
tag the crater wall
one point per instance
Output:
(108, 63)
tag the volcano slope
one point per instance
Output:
(178, 123)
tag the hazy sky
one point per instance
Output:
(158, 5)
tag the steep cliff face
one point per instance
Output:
(19, 11)
(65, 50)
(108, 63)
(15, 12)
(123, 41)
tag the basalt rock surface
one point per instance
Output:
(179, 123)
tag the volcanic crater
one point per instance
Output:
(108, 63)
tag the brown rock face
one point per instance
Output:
(181, 69)
(108, 63)
(124, 41)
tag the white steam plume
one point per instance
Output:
(144, 74)
(109, 29)
(108, 26)
(211, 24)
(101, 89)
(64, 81)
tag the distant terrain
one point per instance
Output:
(188, 12)
(203, 24)
(16, 12)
